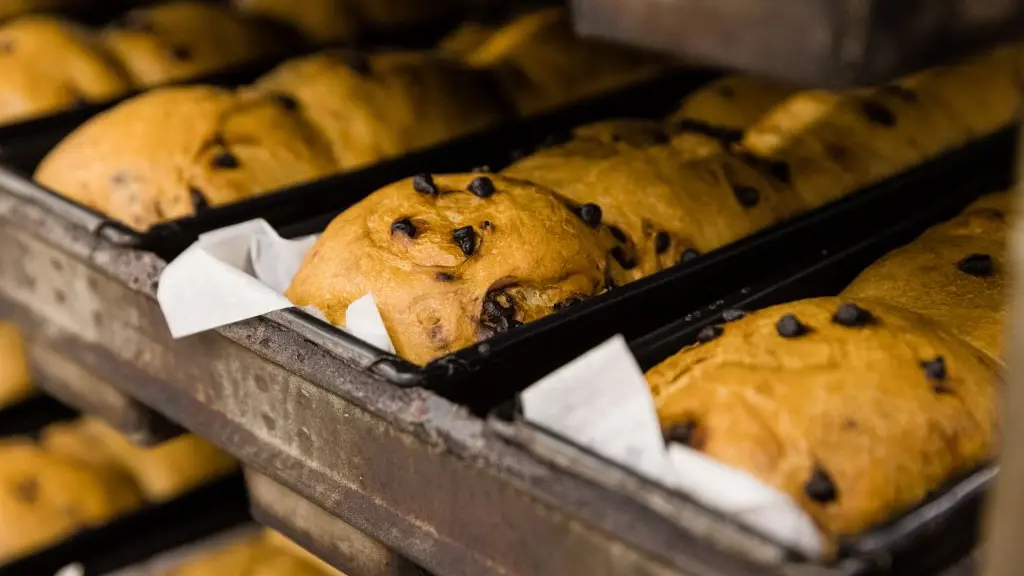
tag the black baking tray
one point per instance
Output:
(27, 145)
(945, 527)
(133, 538)
(31, 414)
(485, 375)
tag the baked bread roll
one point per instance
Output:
(182, 39)
(46, 497)
(321, 21)
(265, 555)
(542, 64)
(375, 106)
(661, 207)
(162, 472)
(452, 260)
(855, 409)
(172, 152)
(34, 85)
(956, 273)
(15, 379)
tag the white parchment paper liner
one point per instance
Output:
(601, 402)
(240, 272)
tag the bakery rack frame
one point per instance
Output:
(331, 449)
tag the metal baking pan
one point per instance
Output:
(205, 511)
(31, 414)
(490, 373)
(27, 146)
(830, 43)
(942, 529)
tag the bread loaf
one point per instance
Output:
(855, 408)
(15, 381)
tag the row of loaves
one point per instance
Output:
(452, 260)
(535, 57)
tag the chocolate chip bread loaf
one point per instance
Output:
(451, 260)
(45, 497)
(661, 207)
(374, 106)
(182, 39)
(834, 143)
(265, 555)
(956, 273)
(15, 381)
(854, 408)
(173, 152)
(542, 64)
(161, 472)
(33, 85)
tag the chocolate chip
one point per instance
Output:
(120, 178)
(590, 214)
(444, 277)
(6, 46)
(618, 234)
(609, 283)
(689, 254)
(780, 171)
(900, 92)
(465, 237)
(225, 160)
(27, 490)
(685, 432)
(486, 225)
(935, 369)
(732, 314)
(199, 202)
(624, 260)
(709, 333)
(424, 184)
(748, 196)
(499, 312)
(404, 226)
(181, 53)
(980, 265)
(482, 187)
(570, 301)
(286, 101)
(661, 242)
(820, 487)
(789, 326)
(878, 113)
(852, 316)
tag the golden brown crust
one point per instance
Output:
(448, 270)
(680, 205)
(956, 273)
(182, 39)
(33, 85)
(855, 423)
(375, 106)
(15, 380)
(542, 64)
(162, 472)
(173, 151)
(45, 497)
(256, 556)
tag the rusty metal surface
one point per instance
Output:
(318, 531)
(830, 43)
(405, 467)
